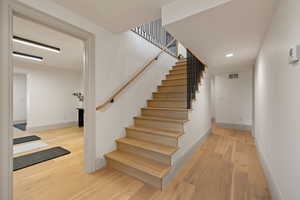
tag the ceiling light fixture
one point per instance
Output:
(35, 44)
(27, 56)
(229, 55)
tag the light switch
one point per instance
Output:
(294, 54)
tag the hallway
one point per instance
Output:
(225, 167)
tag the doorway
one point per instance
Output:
(17, 9)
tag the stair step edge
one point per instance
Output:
(115, 155)
(161, 119)
(156, 148)
(167, 109)
(156, 131)
(167, 100)
(175, 85)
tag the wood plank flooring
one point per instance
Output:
(225, 167)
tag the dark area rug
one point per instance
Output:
(28, 160)
(21, 127)
(26, 139)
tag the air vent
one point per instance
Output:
(233, 76)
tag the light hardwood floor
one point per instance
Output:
(225, 167)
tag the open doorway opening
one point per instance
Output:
(19, 101)
(48, 105)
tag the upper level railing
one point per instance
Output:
(195, 71)
(157, 35)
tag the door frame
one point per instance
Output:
(16, 8)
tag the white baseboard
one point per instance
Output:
(176, 165)
(19, 122)
(242, 127)
(273, 187)
(100, 163)
(51, 127)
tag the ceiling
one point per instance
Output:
(236, 27)
(72, 49)
(116, 15)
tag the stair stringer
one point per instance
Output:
(196, 130)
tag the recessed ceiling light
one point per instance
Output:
(229, 55)
(27, 56)
(35, 44)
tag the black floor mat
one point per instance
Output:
(28, 160)
(26, 139)
(22, 126)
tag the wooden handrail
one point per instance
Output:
(111, 99)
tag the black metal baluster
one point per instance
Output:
(195, 70)
(157, 35)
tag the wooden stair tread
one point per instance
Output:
(177, 74)
(173, 79)
(170, 78)
(181, 63)
(170, 92)
(146, 165)
(168, 99)
(176, 79)
(168, 109)
(156, 131)
(161, 119)
(180, 69)
(157, 148)
(175, 85)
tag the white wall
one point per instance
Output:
(19, 98)
(181, 50)
(117, 57)
(50, 102)
(277, 103)
(233, 99)
(199, 123)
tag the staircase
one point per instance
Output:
(146, 151)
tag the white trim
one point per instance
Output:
(6, 135)
(19, 122)
(241, 127)
(51, 127)
(8, 8)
